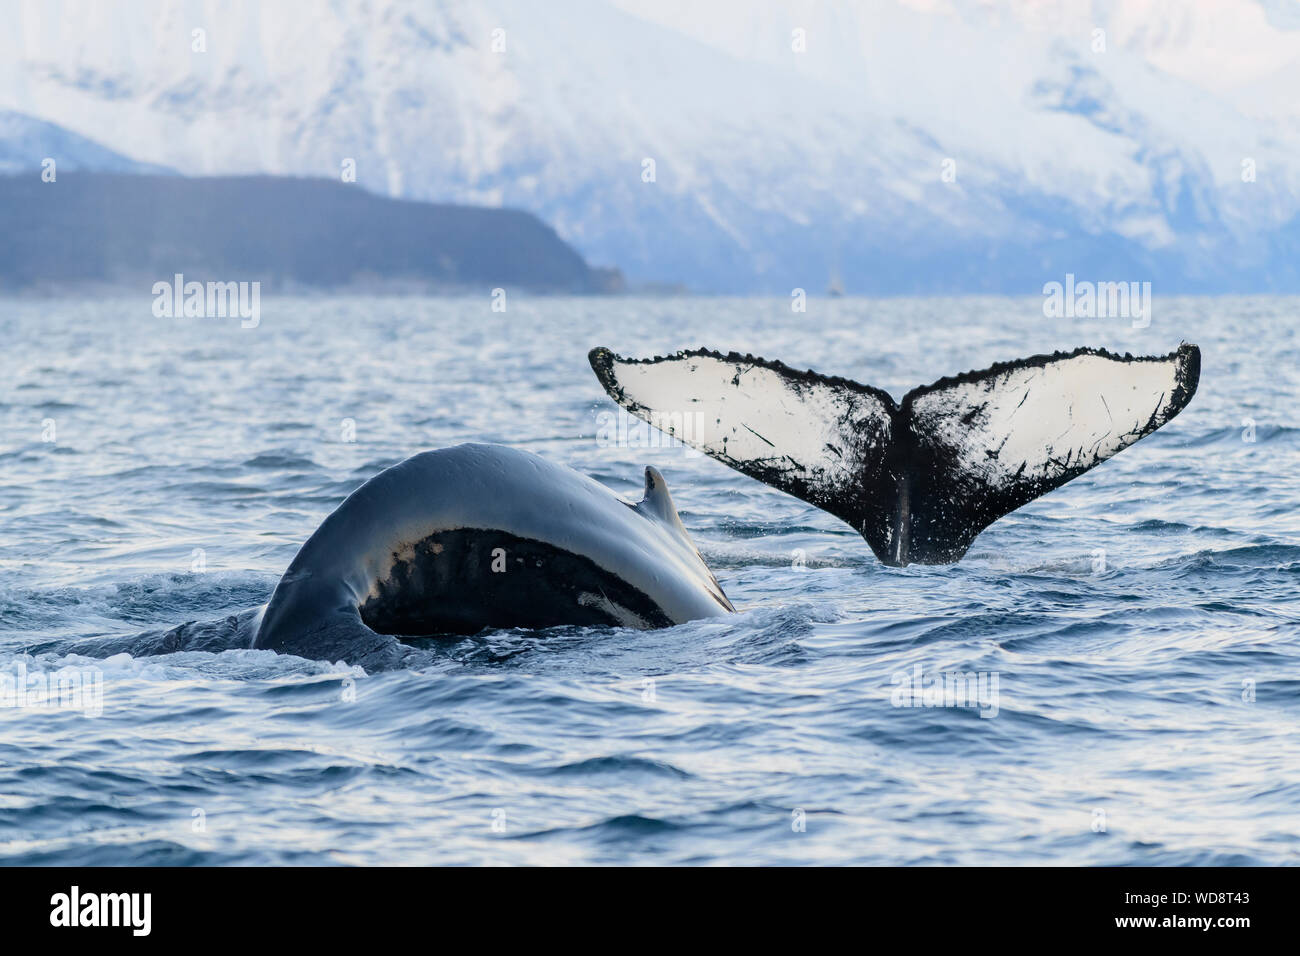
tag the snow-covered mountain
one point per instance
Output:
(26, 142)
(905, 145)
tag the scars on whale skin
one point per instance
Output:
(485, 536)
(921, 478)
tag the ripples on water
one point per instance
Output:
(1124, 730)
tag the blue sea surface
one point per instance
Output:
(1142, 623)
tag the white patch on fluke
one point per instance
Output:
(1035, 421)
(753, 415)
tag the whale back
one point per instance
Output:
(483, 536)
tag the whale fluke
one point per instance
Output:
(919, 480)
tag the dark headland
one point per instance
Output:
(89, 229)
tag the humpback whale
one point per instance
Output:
(484, 536)
(921, 478)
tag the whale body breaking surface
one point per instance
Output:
(461, 539)
(481, 537)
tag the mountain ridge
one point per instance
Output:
(947, 146)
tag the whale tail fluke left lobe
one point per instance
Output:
(918, 479)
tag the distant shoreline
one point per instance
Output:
(101, 230)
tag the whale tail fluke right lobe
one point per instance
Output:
(918, 479)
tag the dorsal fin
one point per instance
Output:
(657, 505)
(657, 502)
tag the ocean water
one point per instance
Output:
(1141, 623)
